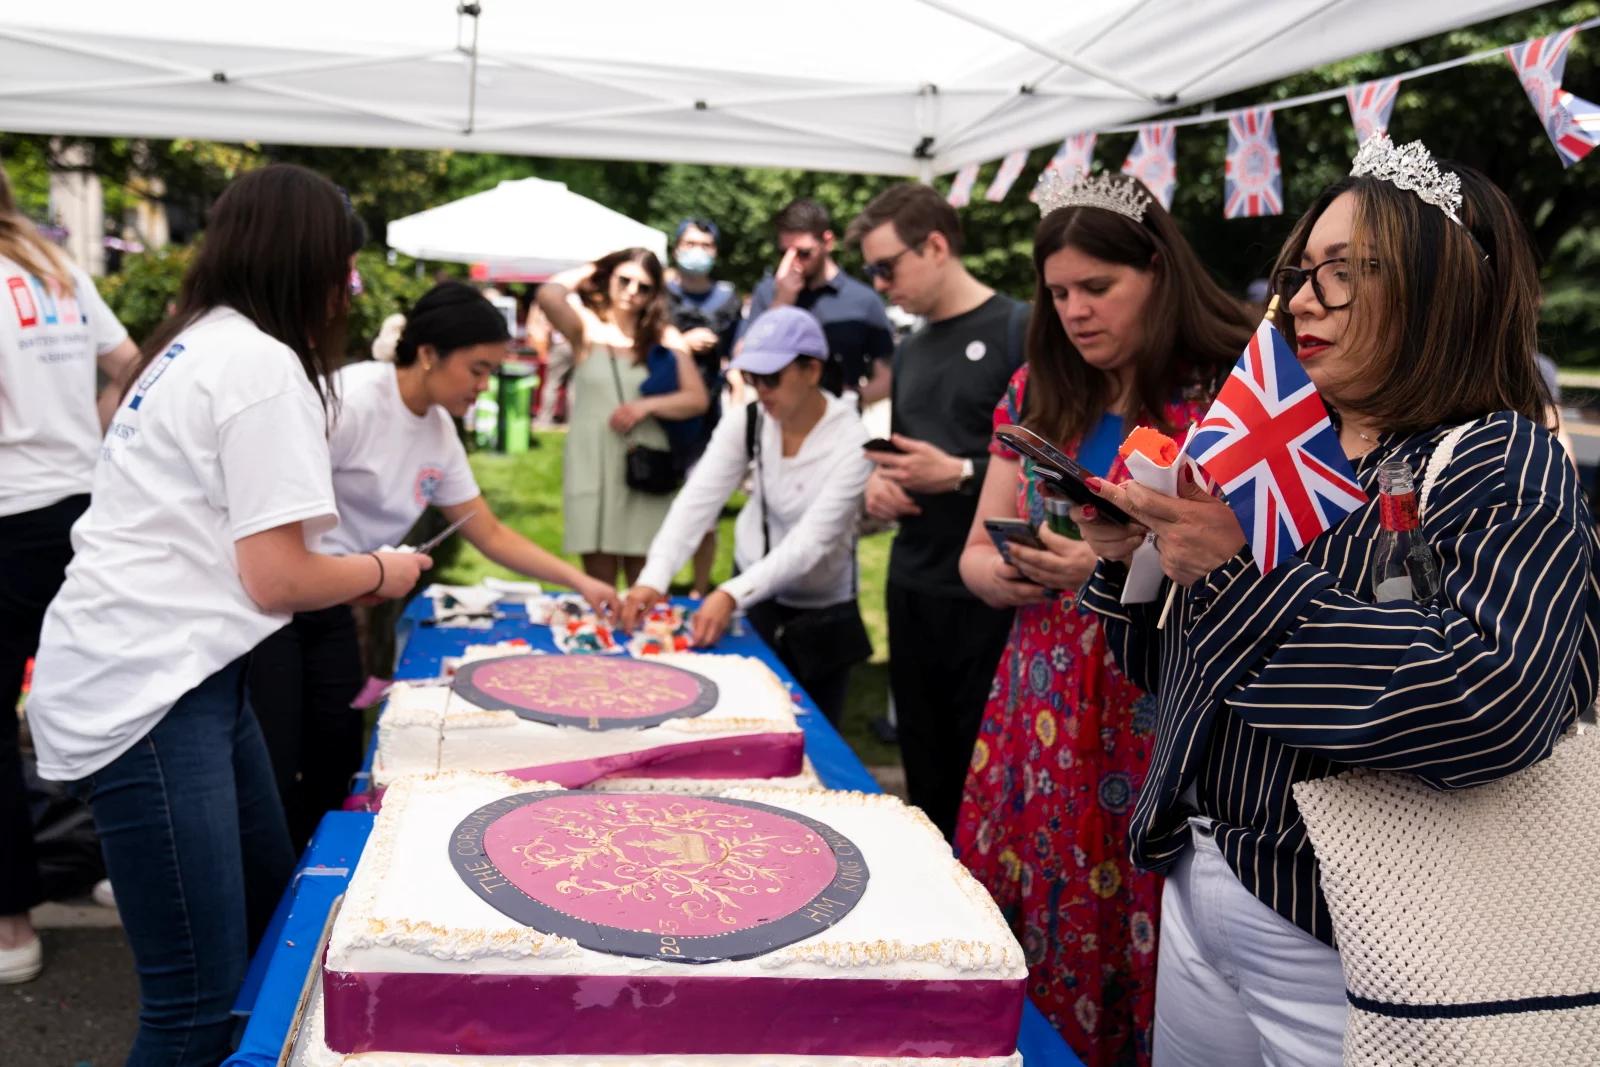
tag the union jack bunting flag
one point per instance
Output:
(1006, 177)
(1540, 65)
(1371, 104)
(1574, 127)
(1252, 177)
(1154, 160)
(1269, 445)
(1075, 156)
(961, 187)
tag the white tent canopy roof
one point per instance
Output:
(529, 226)
(888, 86)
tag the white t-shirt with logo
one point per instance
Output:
(49, 425)
(389, 463)
(221, 437)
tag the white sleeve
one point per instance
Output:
(107, 332)
(829, 519)
(458, 485)
(714, 479)
(275, 466)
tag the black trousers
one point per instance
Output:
(827, 689)
(302, 680)
(34, 552)
(943, 652)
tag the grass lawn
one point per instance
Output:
(525, 492)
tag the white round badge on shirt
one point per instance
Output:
(976, 350)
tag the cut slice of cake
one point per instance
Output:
(578, 720)
(494, 917)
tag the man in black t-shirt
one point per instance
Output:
(944, 644)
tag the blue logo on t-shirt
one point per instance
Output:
(153, 374)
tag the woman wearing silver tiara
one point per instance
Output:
(1410, 292)
(1127, 328)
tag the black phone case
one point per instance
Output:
(1065, 474)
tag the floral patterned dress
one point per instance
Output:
(1060, 757)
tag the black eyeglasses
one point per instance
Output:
(1330, 281)
(884, 268)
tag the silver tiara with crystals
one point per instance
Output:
(1058, 188)
(1410, 167)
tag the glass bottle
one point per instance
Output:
(1403, 567)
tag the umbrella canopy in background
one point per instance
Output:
(521, 230)
(914, 87)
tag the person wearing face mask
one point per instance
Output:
(1127, 329)
(794, 544)
(1411, 294)
(707, 313)
(945, 380)
(852, 315)
(395, 452)
(614, 313)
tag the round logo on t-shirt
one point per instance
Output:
(976, 350)
(427, 487)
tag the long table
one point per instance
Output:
(279, 972)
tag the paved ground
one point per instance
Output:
(82, 1012)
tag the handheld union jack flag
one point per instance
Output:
(1252, 177)
(1268, 443)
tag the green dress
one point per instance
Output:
(602, 515)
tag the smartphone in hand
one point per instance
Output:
(883, 444)
(1065, 474)
(1007, 532)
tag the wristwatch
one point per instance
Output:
(968, 472)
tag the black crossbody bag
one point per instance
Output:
(817, 641)
(649, 470)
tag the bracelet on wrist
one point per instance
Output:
(379, 561)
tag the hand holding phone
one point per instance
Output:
(1066, 475)
(883, 444)
(1006, 532)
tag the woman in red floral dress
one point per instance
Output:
(1127, 329)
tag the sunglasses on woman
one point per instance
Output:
(643, 288)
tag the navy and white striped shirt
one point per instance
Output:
(1262, 682)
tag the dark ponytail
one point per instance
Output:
(449, 316)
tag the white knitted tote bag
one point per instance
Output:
(1466, 920)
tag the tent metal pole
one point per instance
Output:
(471, 11)
(1084, 66)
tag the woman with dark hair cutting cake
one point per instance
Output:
(395, 452)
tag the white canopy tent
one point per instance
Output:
(912, 87)
(528, 227)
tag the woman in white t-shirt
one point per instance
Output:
(395, 452)
(212, 483)
(55, 334)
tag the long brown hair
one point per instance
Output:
(277, 250)
(1193, 331)
(1447, 314)
(595, 292)
(23, 244)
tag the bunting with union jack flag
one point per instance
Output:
(1371, 104)
(961, 187)
(1568, 120)
(1269, 445)
(1153, 159)
(1252, 176)
(1075, 156)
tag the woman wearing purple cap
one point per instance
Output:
(794, 545)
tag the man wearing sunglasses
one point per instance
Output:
(944, 644)
(852, 315)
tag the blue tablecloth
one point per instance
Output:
(278, 973)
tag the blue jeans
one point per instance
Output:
(198, 852)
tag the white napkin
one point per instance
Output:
(470, 599)
(1144, 570)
